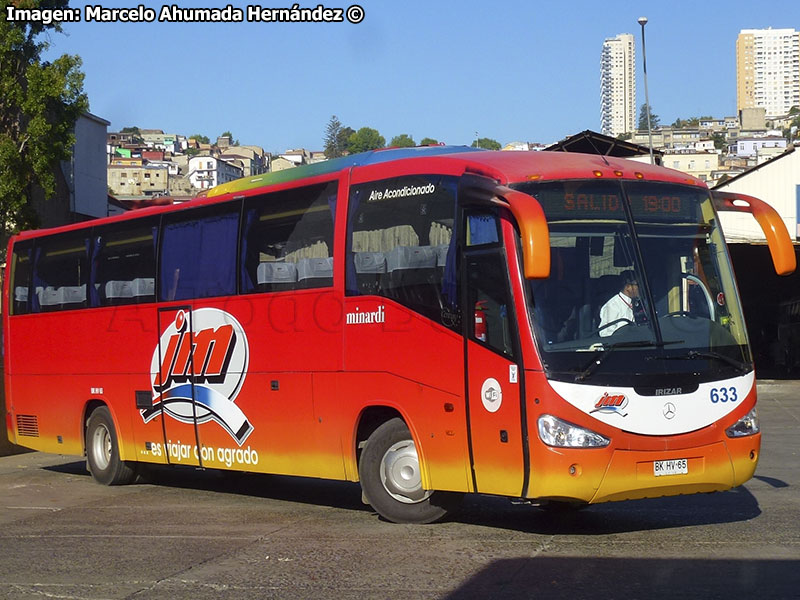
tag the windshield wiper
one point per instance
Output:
(603, 353)
(740, 366)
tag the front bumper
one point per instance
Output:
(606, 475)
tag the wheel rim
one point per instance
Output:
(101, 447)
(400, 473)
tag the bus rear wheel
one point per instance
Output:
(102, 450)
(390, 477)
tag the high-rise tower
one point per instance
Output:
(768, 70)
(618, 86)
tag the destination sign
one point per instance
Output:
(671, 207)
(610, 204)
(662, 204)
(603, 204)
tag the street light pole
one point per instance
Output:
(643, 21)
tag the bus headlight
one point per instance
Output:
(561, 434)
(747, 425)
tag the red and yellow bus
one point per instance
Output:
(424, 321)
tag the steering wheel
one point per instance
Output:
(622, 320)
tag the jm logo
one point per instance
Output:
(197, 371)
(610, 404)
(201, 357)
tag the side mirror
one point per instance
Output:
(526, 210)
(780, 244)
(533, 230)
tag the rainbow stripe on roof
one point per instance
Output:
(334, 165)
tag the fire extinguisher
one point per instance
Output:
(480, 320)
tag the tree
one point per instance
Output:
(691, 122)
(41, 101)
(402, 141)
(337, 138)
(344, 139)
(720, 143)
(794, 123)
(486, 144)
(335, 146)
(136, 135)
(429, 142)
(365, 139)
(229, 135)
(654, 120)
(200, 139)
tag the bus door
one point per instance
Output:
(174, 385)
(494, 378)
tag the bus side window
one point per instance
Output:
(482, 229)
(124, 263)
(21, 272)
(61, 272)
(198, 253)
(401, 244)
(287, 239)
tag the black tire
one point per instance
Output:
(102, 451)
(390, 478)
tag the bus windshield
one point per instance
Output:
(640, 285)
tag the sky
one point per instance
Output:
(510, 70)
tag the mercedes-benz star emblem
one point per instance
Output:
(669, 410)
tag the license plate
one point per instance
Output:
(678, 466)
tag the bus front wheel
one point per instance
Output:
(390, 477)
(102, 450)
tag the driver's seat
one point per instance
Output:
(607, 286)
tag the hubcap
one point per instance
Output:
(400, 473)
(101, 447)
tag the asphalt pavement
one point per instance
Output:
(187, 534)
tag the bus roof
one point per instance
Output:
(505, 167)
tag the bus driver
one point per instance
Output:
(619, 310)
